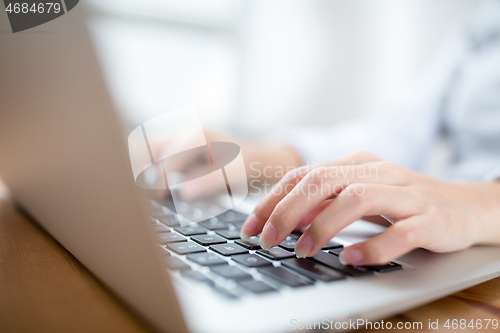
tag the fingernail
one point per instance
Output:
(244, 236)
(304, 246)
(250, 226)
(351, 256)
(268, 236)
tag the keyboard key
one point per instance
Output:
(210, 208)
(185, 248)
(284, 276)
(194, 214)
(206, 259)
(232, 216)
(229, 234)
(213, 224)
(169, 205)
(293, 236)
(251, 244)
(182, 207)
(332, 245)
(197, 276)
(276, 253)
(207, 240)
(392, 266)
(257, 287)
(251, 260)
(228, 249)
(176, 264)
(159, 228)
(288, 244)
(207, 206)
(170, 237)
(190, 230)
(231, 272)
(170, 220)
(236, 225)
(332, 261)
(336, 251)
(312, 269)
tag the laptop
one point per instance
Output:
(63, 155)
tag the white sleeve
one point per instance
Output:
(402, 135)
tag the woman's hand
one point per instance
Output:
(424, 212)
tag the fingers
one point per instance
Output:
(321, 184)
(396, 241)
(351, 205)
(266, 206)
(255, 222)
(307, 220)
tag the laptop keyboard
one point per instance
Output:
(211, 253)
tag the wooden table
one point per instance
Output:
(43, 288)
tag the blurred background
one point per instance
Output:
(254, 65)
